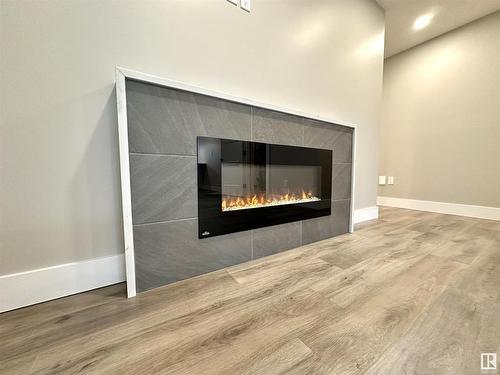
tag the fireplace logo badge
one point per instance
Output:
(488, 361)
(206, 233)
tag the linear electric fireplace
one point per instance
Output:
(246, 185)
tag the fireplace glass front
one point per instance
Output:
(245, 185)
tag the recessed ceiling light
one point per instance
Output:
(422, 21)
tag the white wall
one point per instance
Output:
(440, 133)
(60, 195)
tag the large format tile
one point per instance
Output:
(327, 226)
(274, 239)
(276, 127)
(341, 182)
(166, 121)
(330, 136)
(163, 187)
(171, 251)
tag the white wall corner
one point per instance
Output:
(365, 214)
(44, 284)
(481, 212)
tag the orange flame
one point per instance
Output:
(231, 203)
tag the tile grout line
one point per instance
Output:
(166, 221)
(301, 229)
(303, 134)
(151, 154)
(251, 123)
(251, 243)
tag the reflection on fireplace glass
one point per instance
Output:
(246, 185)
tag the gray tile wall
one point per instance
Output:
(163, 124)
(170, 251)
(163, 187)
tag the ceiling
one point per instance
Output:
(447, 15)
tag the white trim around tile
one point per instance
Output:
(128, 232)
(121, 75)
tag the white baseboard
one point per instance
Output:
(482, 212)
(30, 287)
(365, 214)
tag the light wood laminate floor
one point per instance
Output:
(411, 293)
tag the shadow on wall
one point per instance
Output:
(94, 193)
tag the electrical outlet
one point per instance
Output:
(390, 180)
(235, 2)
(381, 180)
(245, 4)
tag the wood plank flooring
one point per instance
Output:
(411, 293)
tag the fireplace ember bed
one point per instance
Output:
(246, 185)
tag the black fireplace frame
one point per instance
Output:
(212, 221)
